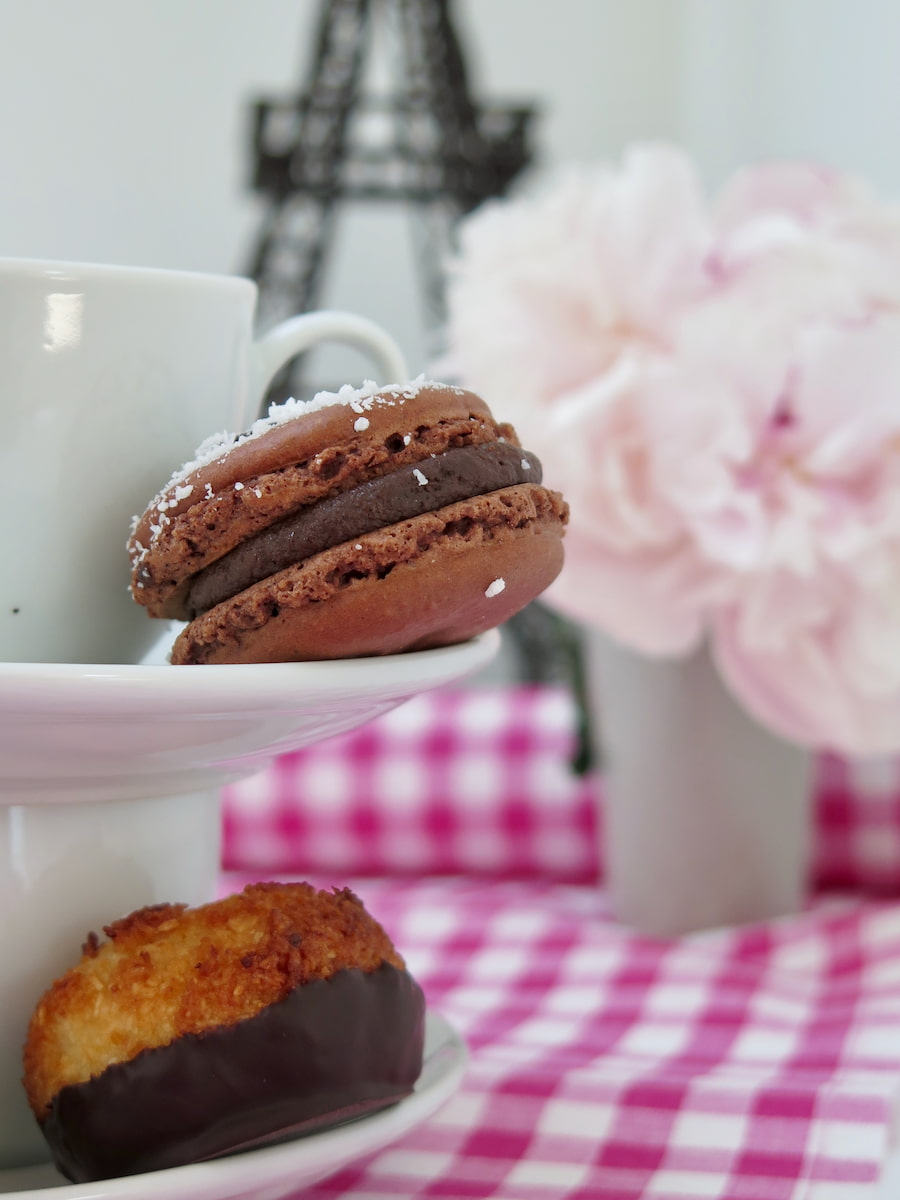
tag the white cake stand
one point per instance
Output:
(71, 733)
(109, 800)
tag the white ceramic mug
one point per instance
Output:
(109, 379)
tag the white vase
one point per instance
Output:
(706, 814)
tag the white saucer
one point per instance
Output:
(72, 732)
(279, 1170)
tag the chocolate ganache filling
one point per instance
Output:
(457, 474)
(330, 1051)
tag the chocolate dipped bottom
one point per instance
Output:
(330, 1051)
(431, 484)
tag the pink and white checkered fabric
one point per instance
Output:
(857, 825)
(759, 1064)
(454, 782)
(477, 782)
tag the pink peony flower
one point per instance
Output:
(715, 386)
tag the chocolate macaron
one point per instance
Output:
(363, 522)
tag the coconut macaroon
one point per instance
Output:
(366, 521)
(192, 1033)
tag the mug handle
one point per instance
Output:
(269, 353)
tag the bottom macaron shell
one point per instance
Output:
(452, 591)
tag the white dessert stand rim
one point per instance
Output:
(73, 733)
(227, 686)
(291, 1165)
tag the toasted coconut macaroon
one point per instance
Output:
(194, 1033)
(362, 522)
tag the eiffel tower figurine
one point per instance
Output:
(447, 155)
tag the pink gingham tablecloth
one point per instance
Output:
(478, 782)
(758, 1064)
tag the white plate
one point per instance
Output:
(71, 732)
(279, 1170)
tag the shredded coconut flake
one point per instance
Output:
(258, 492)
(407, 438)
(182, 493)
(238, 487)
(526, 465)
(495, 588)
(422, 479)
(360, 424)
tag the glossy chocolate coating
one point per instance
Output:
(457, 474)
(330, 1051)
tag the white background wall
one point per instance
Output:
(123, 123)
